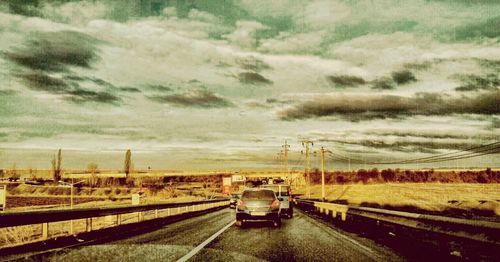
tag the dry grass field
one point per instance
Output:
(480, 199)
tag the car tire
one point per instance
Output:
(277, 222)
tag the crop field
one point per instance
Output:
(460, 199)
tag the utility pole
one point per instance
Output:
(281, 158)
(323, 174)
(306, 143)
(286, 148)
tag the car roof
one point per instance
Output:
(271, 185)
(258, 189)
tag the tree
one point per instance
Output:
(92, 168)
(128, 162)
(56, 165)
(13, 175)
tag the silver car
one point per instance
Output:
(284, 194)
(258, 204)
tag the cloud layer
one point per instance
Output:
(382, 106)
(205, 75)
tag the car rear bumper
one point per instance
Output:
(246, 215)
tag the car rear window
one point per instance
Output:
(258, 195)
(276, 189)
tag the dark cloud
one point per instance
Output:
(419, 66)
(475, 82)
(277, 101)
(403, 77)
(39, 81)
(382, 106)
(268, 103)
(253, 64)
(24, 7)
(407, 146)
(346, 80)
(487, 29)
(383, 83)
(54, 51)
(429, 135)
(194, 98)
(82, 96)
(253, 78)
(159, 88)
(130, 89)
(489, 64)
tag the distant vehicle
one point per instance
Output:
(284, 194)
(33, 182)
(234, 200)
(258, 204)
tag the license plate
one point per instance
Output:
(258, 213)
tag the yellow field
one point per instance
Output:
(427, 196)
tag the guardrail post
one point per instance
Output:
(156, 213)
(343, 216)
(118, 219)
(178, 210)
(88, 224)
(45, 231)
(168, 211)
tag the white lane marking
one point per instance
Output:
(206, 242)
(340, 235)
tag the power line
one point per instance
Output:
(493, 148)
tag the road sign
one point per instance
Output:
(226, 181)
(238, 178)
(3, 197)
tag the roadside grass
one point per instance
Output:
(449, 199)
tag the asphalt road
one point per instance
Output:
(301, 238)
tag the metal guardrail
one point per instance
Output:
(479, 230)
(113, 214)
(10, 219)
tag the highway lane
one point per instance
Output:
(301, 238)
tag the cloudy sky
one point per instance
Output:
(222, 84)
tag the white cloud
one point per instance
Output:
(77, 13)
(244, 34)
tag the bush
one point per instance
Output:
(363, 176)
(483, 178)
(388, 175)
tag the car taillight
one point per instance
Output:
(241, 204)
(275, 204)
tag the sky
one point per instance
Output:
(222, 84)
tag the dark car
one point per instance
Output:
(284, 194)
(258, 204)
(234, 200)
